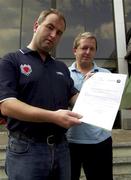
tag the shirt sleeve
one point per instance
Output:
(8, 79)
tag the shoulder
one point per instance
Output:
(100, 69)
(10, 60)
(60, 63)
(10, 56)
(103, 70)
(72, 67)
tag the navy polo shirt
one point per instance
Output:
(48, 85)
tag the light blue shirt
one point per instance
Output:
(85, 133)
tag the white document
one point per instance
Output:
(99, 99)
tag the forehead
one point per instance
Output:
(87, 41)
(55, 20)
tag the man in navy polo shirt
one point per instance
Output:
(35, 92)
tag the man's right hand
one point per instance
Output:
(67, 118)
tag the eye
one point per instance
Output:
(84, 48)
(59, 33)
(92, 49)
(49, 26)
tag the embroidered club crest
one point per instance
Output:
(25, 69)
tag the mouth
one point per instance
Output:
(86, 57)
(49, 41)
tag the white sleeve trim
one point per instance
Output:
(7, 99)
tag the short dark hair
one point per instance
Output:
(45, 13)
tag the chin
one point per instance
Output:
(46, 49)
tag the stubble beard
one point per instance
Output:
(85, 65)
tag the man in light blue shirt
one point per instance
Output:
(90, 146)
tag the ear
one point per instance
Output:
(74, 51)
(35, 26)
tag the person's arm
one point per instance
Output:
(73, 100)
(24, 112)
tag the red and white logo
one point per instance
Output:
(25, 69)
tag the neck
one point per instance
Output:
(41, 53)
(84, 69)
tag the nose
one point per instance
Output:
(88, 50)
(53, 34)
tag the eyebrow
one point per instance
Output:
(50, 24)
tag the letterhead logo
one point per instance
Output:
(25, 69)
